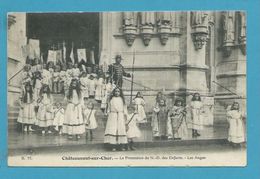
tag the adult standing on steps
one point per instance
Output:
(117, 71)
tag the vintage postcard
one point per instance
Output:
(127, 88)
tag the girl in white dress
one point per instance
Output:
(92, 86)
(45, 111)
(84, 85)
(58, 113)
(196, 107)
(62, 79)
(46, 76)
(89, 116)
(56, 80)
(177, 125)
(37, 84)
(75, 71)
(27, 114)
(132, 129)
(139, 106)
(99, 88)
(73, 121)
(115, 132)
(236, 132)
(159, 120)
(68, 79)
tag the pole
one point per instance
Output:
(131, 97)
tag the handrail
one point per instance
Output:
(227, 89)
(15, 75)
(138, 84)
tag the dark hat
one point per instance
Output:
(118, 56)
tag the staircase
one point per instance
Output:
(220, 114)
(13, 111)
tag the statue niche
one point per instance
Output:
(129, 27)
(199, 25)
(147, 21)
(242, 34)
(164, 23)
(228, 32)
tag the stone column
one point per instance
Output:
(193, 65)
(16, 59)
(105, 40)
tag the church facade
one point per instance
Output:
(179, 53)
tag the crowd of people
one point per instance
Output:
(79, 84)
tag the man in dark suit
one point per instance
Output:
(116, 71)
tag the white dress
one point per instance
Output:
(107, 90)
(236, 132)
(139, 104)
(26, 112)
(115, 132)
(89, 118)
(84, 81)
(45, 112)
(75, 73)
(176, 125)
(46, 77)
(37, 88)
(99, 89)
(58, 116)
(92, 87)
(133, 131)
(73, 120)
(197, 120)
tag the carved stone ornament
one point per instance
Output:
(242, 45)
(242, 35)
(199, 40)
(227, 50)
(199, 25)
(164, 31)
(146, 34)
(229, 32)
(130, 34)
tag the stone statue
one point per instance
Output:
(199, 18)
(147, 18)
(164, 18)
(228, 26)
(129, 19)
(243, 24)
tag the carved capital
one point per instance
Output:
(199, 40)
(146, 34)
(199, 25)
(130, 34)
(164, 31)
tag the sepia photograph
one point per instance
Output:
(149, 88)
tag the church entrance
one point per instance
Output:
(70, 31)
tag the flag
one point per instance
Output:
(58, 56)
(72, 54)
(34, 48)
(92, 58)
(52, 56)
(82, 54)
(64, 51)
